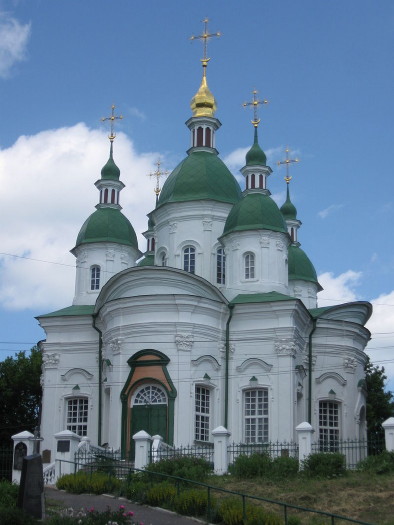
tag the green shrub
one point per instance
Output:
(15, 516)
(96, 483)
(136, 490)
(195, 469)
(294, 520)
(325, 465)
(259, 516)
(381, 464)
(255, 465)
(8, 494)
(193, 502)
(231, 513)
(161, 494)
(284, 467)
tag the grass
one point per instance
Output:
(359, 495)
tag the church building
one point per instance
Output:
(217, 323)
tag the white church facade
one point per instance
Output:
(217, 324)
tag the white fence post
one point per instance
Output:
(388, 426)
(156, 442)
(66, 446)
(23, 446)
(221, 438)
(304, 432)
(142, 448)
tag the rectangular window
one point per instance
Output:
(189, 259)
(202, 407)
(77, 416)
(220, 266)
(249, 266)
(328, 426)
(95, 278)
(256, 415)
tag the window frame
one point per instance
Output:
(329, 425)
(202, 413)
(94, 278)
(189, 258)
(220, 266)
(256, 426)
(77, 421)
(249, 260)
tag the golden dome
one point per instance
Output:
(203, 104)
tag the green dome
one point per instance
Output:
(289, 211)
(256, 156)
(107, 225)
(200, 176)
(110, 171)
(300, 267)
(256, 211)
(148, 260)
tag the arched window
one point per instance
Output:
(255, 409)
(208, 135)
(189, 259)
(253, 181)
(220, 266)
(150, 395)
(200, 136)
(77, 415)
(164, 260)
(113, 197)
(249, 265)
(95, 278)
(202, 403)
(261, 185)
(152, 244)
(329, 429)
(106, 195)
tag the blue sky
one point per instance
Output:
(325, 67)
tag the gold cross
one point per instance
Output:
(255, 103)
(287, 161)
(112, 119)
(205, 37)
(157, 173)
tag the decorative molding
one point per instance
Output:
(331, 375)
(254, 361)
(305, 361)
(73, 371)
(50, 360)
(115, 346)
(265, 241)
(207, 225)
(184, 341)
(350, 364)
(82, 257)
(110, 255)
(206, 359)
(222, 347)
(173, 227)
(286, 347)
(235, 245)
(280, 246)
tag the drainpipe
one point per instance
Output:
(226, 378)
(310, 371)
(100, 379)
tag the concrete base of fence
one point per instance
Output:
(304, 432)
(142, 448)
(23, 446)
(221, 438)
(66, 446)
(388, 426)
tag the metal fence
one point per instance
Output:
(6, 455)
(195, 451)
(274, 449)
(354, 450)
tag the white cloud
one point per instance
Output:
(340, 289)
(13, 43)
(327, 211)
(49, 192)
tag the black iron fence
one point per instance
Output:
(6, 453)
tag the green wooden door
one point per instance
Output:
(151, 418)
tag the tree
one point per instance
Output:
(380, 404)
(20, 393)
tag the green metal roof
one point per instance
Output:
(107, 225)
(80, 309)
(110, 171)
(256, 211)
(289, 211)
(202, 175)
(268, 297)
(300, 266)
(148, 260)
(256, 156)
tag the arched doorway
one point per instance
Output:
(149, 410)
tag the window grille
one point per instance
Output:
(77, 415)
(202, 407)
(95, 278)
(189, 259)
(256, 415)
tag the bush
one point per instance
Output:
(252, 466)
(381, 464)
(325, 465)
(8, 494)
(15, 516)
(96, 483)
(195, 469)
(193, 502)
(284, 467)
(135, 490)
(161, 494)
(231, 513)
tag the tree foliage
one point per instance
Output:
(20, 393)
(380, 403)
